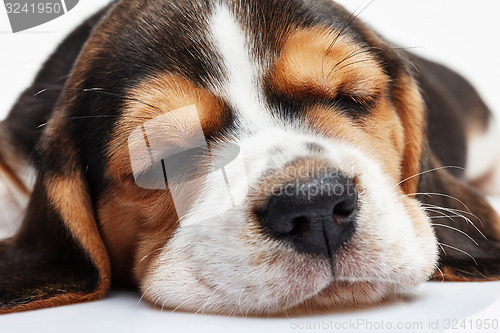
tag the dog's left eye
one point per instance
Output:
(352, 105)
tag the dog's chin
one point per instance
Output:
(314, 290)
(340, 295)
(336, 296)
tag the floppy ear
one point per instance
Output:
(411, 110)
(408, 102)
(467, 227)
(58, 256)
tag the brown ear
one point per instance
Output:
(411, 111)
(408, 101)
(467, 227)
(58, 256)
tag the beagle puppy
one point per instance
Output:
(242, 157)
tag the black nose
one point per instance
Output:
(314, 217)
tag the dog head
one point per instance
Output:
(238, 157)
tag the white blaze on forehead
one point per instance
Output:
(242, 88)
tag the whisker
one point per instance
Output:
(442, 195)
(409, 47)
(367, 279)
(457, 214)
(459, 250)
(177, 307)
(41, 92)
(98, 117)
(103, 92)
(352, 55)
(142, 295)
(454, 198)
(150, 253)
(350, 19)
(100, 91)
(414, 66)
(453, 228)
(353, 63)
(240, 301)
(440, 271)
(202, 309)
(442, 249)
(428, 171)
(460, 212)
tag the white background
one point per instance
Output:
(462, 34)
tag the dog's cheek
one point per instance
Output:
(134, 224)
(384, 139)
(152, 241)
(120, 227)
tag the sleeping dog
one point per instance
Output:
(242, 157)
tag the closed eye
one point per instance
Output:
(173, 169)
(352, 106)
(185, 166)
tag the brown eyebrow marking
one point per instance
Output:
(307, 64)
(159, 95)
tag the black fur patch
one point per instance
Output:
(43, 260)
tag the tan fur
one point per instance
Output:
(381, 145)
(150, 215)
(162, 94)
(411, 110)
(410, 104)
(11, 161)
(134, 228)
(308, 66)
(69, 196)
(304, 69)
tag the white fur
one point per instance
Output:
(483, 152)
(210, 263)
(483, 159)
(242, 87)
(13, 203)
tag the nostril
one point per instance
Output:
(313, 218)
(345, 209)
(300, 226)
(346, 206)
